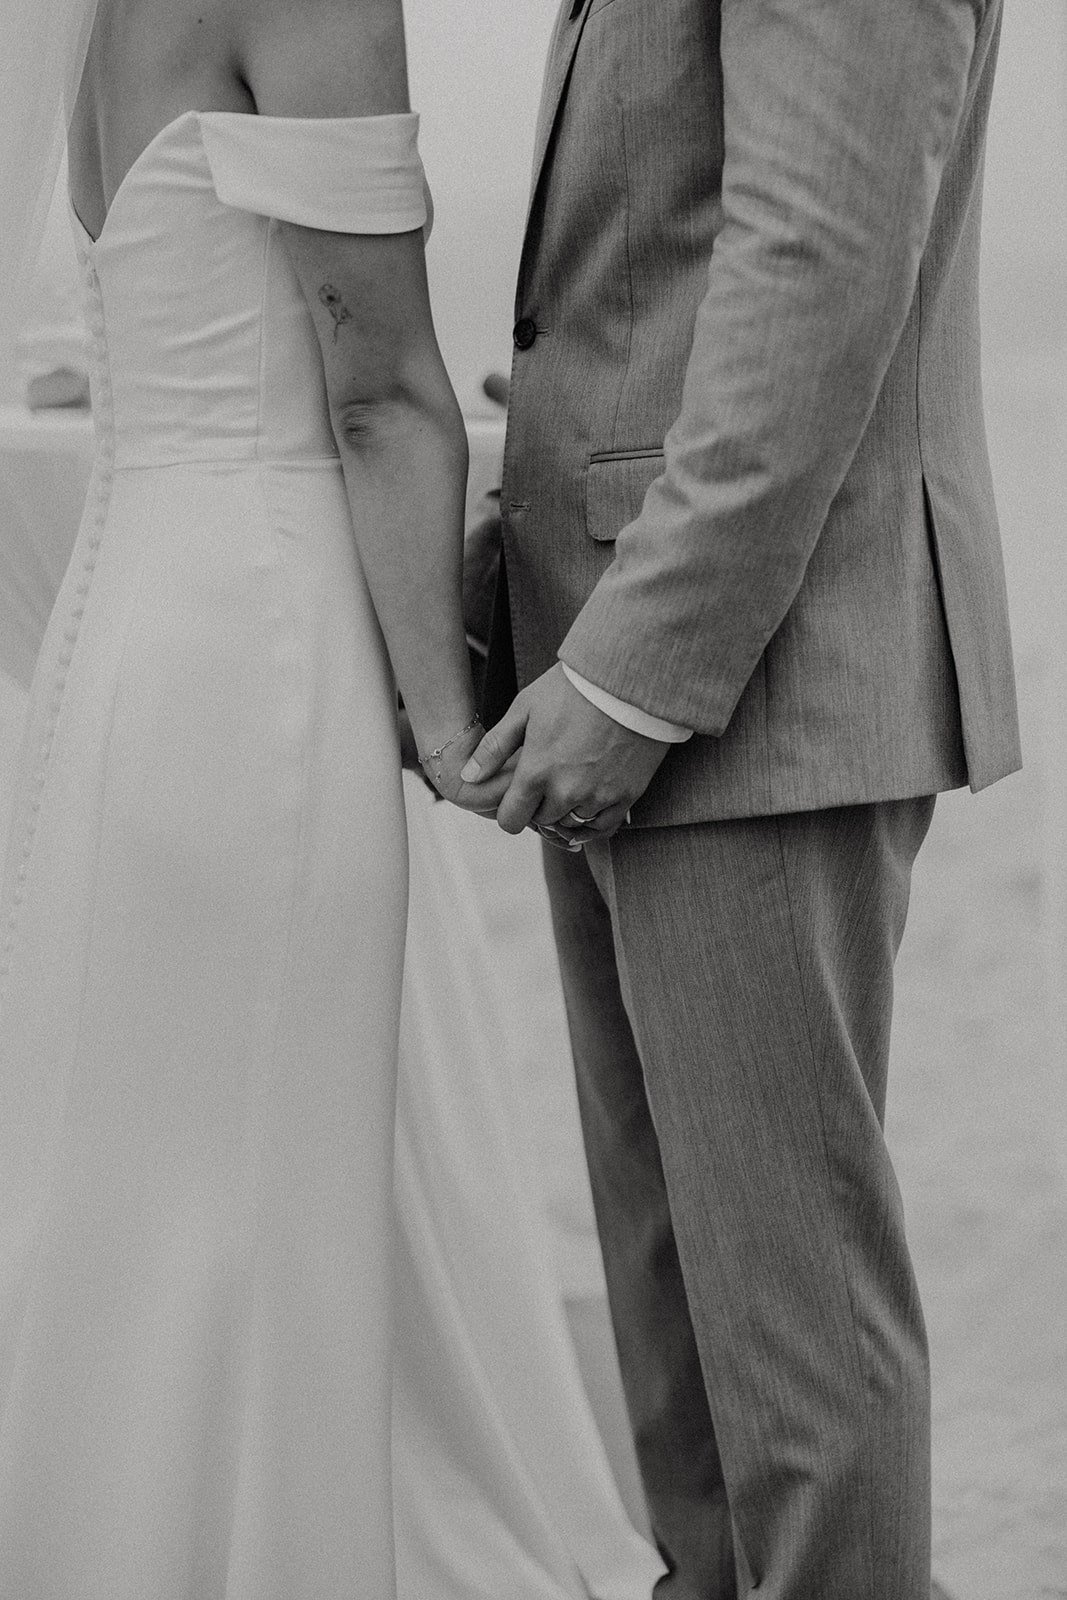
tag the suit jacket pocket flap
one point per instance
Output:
(615, 485)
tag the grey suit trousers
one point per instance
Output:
(729, 992)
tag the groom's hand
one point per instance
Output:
(572, 758)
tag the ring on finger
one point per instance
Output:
(576, 820)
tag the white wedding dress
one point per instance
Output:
(202, 948)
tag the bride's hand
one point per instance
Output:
(444, 774)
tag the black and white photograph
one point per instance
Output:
(533, 800)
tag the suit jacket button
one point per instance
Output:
(525, 333)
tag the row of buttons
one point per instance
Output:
(104, 414)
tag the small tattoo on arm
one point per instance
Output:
(331, 299)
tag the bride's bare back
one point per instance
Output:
(148, 61)
(151, 60)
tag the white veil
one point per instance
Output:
(43, 45)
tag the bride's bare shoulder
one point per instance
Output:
(144, 52)
(321, 57)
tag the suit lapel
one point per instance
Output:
(568, 31)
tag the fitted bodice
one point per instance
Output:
(203, 347)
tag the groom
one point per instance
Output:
(753, 597)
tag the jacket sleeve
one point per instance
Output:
(839, 116)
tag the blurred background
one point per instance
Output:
(978, 1095)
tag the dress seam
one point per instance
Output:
(261, 364)
(103, 808)
(256, 1153)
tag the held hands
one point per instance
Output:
(443, 774)
(572, 770)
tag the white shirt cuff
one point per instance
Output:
(631, 717)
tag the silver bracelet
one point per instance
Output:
(435, 755)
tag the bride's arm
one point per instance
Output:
(403, 448)
(398, 425)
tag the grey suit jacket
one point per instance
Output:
(746, 484)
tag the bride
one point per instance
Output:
(205, 887)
